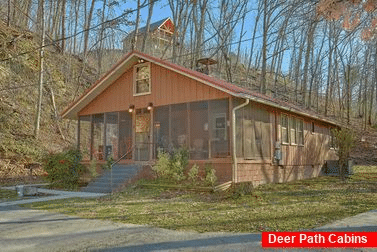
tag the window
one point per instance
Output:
(284, 129)
(142, 83)
(112, 134)
(300, 131)
(179, 125)
(256, 133)
(332, 141)
(313, 128)
(85, 136)
(161, 128)
(220, 126)
(293, 130)
(98, 137)
(199, 133)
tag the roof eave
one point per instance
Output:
(72, 111)
(288, 109)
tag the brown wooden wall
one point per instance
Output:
(298, 162)
(167, 87)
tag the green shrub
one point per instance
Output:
(63, 169)
(210, 178)
(179, 162)
(193, 173)
(162, 166)
(171, 167)
(109, 162)
(93, 168)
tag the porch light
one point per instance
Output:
(131, 108)
(150, 106)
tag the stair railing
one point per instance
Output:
(117, 161)
(133, 147)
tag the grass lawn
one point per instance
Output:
(6, 195)
(291, 206)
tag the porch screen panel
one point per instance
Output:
(249, 144)
(239, 132)
(85, 132)
(263, 140)
(125, 135)
(112, 135)
(199, 135)
(179, 137)
(219, 126)
(161, 128)
(98, 137)
(257, 136)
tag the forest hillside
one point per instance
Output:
(66, 76)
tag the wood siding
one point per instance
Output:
(298, 161)
(167, 88)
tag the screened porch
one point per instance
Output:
(138, 134)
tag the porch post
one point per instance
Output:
(91, 137)
(230, 128)
(151, 133)
(133, 144)
(78, 134)
(209, 131)
(188, 140)
(104, 135)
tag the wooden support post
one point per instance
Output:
(151, 133)
(91, 137)
(188, 142)
(78, 134)
(104, 135)
(230, 128)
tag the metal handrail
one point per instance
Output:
(117, 161)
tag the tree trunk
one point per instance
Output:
(86, 28)
(263, 85)
(41, 69)
(147, 35)
(134, 41)
(309, 48)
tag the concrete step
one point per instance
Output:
(120, 174)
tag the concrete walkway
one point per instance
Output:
(55, 195)
(361, 222)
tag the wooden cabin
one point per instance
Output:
(159, 42)
(144, 105)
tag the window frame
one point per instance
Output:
(293, 127)
(135, 80)
(313, 128)
(298, 121)
(286, 128)
(215, 128)
(332, 142)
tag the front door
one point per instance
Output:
(142, 134)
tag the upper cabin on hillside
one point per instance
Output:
(160, 38)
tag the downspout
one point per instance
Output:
(234, 172)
